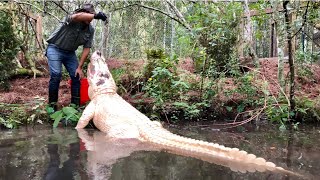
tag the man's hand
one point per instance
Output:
(100, 15)
(79, 72)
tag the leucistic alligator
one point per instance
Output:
(119, 120)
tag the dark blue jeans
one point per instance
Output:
(57, 57)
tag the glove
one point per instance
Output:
(100, 15)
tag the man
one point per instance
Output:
(74, 31)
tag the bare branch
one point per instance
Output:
(57, 4)
(304, 21)
(157, 10)
(178, 13)
(18, 2)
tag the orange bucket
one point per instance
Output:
(84, 85)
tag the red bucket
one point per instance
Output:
(84, 85)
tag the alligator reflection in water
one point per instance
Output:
(104, 151)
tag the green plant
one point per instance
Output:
(69, 114)
(156, 58)
(279, 113)
(10, 123)
(302, 59)
(307, 109)
(191, 111)
(116, 74)
(38, 110)
(215, 30)
(247, 91)
(163, 82)
(8, 49)
(13, 115)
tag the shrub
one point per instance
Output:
(8, 49)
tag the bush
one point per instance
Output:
(8, 49)
(163, 82)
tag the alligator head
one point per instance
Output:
(99, 76)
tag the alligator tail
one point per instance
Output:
(237, 160)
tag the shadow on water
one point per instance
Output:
(64, 153)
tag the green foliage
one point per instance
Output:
(12, 116)
(38, 110)
(8, 49)
(69, 114)
(246, 87)
(302, 59)
(279, 114)
(308, 109)
(128, 77)
(11, 122)
(165, 86)
(117, 73)
(191, 110)
(215, 27)
(156, 58)
(163, 83)
(249, 94)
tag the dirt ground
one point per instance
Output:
(24, 90)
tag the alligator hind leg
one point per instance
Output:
(87, 115)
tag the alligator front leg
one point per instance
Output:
(87, 115)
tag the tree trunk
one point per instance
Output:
(273, 40)
(248, 25)
(291, 61)
(105, 37)
(172, 38)
(164, 34)
(39, 33)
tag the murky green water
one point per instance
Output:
(64, 153)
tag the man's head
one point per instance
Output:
(88, 8)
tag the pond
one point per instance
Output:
(42, 152)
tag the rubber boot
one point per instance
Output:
(75, 96)
(53, 99)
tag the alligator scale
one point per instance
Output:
(119, 120)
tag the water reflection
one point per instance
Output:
(62, 153)
(104, 151)
(54, 172)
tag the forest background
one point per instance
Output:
(229, 61)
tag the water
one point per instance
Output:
(64, 153)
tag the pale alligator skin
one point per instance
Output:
(119, 120)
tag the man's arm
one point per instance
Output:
(84, 55)
(82, 17)
(88, 17)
